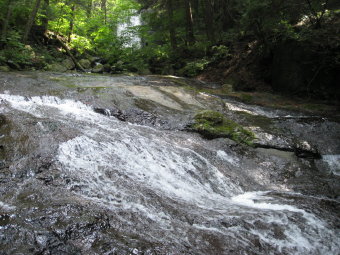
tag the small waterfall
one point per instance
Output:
(333, 162)
(156, 182)
(127, 30)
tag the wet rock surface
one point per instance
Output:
(99, 165)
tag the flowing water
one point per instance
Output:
(74, 181)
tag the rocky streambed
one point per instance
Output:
(107, 165)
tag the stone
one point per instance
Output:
(107, 68)
(68, 64)
(57, 67)
(99, 68)
(13, 65)
(4, 69)
(85, 63)
(30, 50)
(212, 124)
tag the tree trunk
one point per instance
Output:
(103, 8)
(31, 20)
(71, 23)
(9, 10)
(170, 10)
(89, 9)
(209, 21)
(189, 23)
(44, 20)
(64, 46)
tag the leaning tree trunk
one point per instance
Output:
(65, 47)
(31, 20)
(172, 32)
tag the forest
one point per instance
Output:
(290, 47)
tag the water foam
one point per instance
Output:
(126, 167)
(333, 162)
(293, 236)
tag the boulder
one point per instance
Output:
(57, 67)
(13, 65)
(85, 63)
(94, 59)
(107, 68)
(4, 69)
(99, 68)
(68, 64)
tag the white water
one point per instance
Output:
(333, 162)
(128, 31)
(129, 168)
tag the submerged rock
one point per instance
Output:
(135, 116)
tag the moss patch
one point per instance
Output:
(213, 124)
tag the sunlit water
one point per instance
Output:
(162, 185)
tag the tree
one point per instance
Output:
(209, 21)
(189, 23)
(45, 17)
(31, 20)
(9, 9)
(171, 25)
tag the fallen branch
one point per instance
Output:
(65, 47)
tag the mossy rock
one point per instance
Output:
(4, 69)
(85, 63)
(56, 67)
(213, 124)
(68, 64)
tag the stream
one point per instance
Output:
(105, 165)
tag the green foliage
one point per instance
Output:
(220, 52)
(194, 68)
(81, 43)
(213, 124)
(15, 51)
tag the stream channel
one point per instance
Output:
(105, 165)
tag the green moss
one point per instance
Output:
(246, 98)
(213, 124)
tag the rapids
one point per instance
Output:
(74, 181)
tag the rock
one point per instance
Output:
(213, 124)
(112, 112)
(57, 67)
(144, 71)
(13, 65)
(68, 64)
(94, 59)
(30, 50)
(107, 68)
(134, 115)
(85, 63)
(99, 68)
(4, 69)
